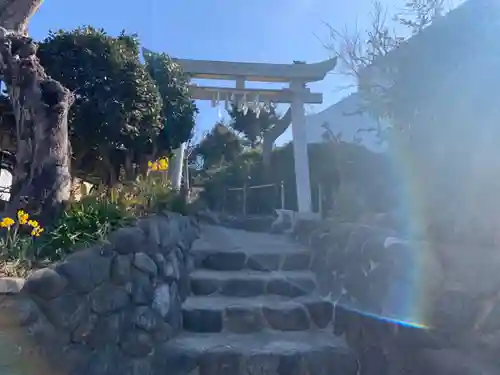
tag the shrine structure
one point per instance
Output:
(296, 75)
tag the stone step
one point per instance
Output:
(244, 315)
(263, 353)
(234, 260)
(248, 283)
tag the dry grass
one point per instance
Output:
(18, 268)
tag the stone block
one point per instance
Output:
(225, 261)
(264, 262)
(108, 309)
(286, 318)
(85, 269)
(145, 264)
(127, 240)
(321, 312)
(45, 283)
(202, 320)
(241, 319)
(243, 287)
(13, 285)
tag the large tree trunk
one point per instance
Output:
(42, 180)
(273, 134)
(15, 14)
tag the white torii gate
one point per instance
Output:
(297, 94)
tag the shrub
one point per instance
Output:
(178, 203)
(83, 223)
(150, 194)
(96, 214)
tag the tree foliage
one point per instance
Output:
(178, 109)
(220, 146)
(125, 112)
(116, 116)
(262, 129)
(250, 124)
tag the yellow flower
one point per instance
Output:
(7, 222)
(33, 223)
(22, 217)
(37, 231)
(150, 164)
(163, 164)
(154, 167)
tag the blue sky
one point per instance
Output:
(277, 31)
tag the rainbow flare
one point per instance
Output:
(409, 303)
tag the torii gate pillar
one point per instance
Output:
(178, 164)
(300, 154)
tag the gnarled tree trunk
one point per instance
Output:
(42, 180)
(15, 14)
(273, 134)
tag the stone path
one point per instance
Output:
(254, 311)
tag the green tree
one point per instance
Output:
(116, 116)
(178, 109)
(251, 125)
(220, 146)
(262, 129)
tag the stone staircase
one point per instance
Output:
(254, 311)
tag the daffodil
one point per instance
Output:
(22, 217)
(163, 164)
(7, 222)
(154, 167)
(33, 223)
(36, 231)
(150, 164)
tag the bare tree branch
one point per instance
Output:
(356, 49)
(359, 51)
(418, 14)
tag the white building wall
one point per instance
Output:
(5, 184)
(344, 119)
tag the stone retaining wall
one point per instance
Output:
(411, 307)
(108, 309)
